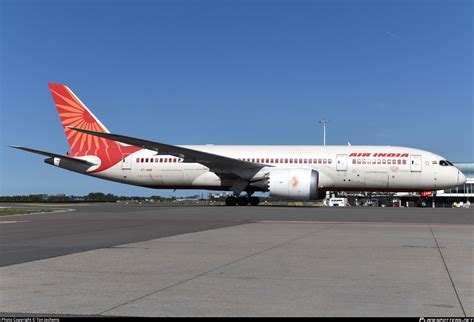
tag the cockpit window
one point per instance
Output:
(445, 163)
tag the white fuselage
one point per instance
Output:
(356, 168)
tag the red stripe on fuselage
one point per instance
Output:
(109, 157)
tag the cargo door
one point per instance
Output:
(376, 180)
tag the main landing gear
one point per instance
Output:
(242, 201)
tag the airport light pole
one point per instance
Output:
(324, 122)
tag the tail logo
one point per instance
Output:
(74, 113)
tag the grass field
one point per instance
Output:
(6, 212)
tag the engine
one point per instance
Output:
(294, 184)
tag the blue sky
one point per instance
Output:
(234, 72)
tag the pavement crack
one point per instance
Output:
(215, 269)
(447, 270)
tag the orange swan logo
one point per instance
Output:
(294, 182)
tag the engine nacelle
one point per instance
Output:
(294, 184)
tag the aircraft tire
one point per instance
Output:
(230, 201)
(254, 201)
(243, 201)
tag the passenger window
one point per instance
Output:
(353, 161)
(359, 161)
(379, 161)
(384, 161)
(142, 160)
(325, 161)
(151, 160)
(329, 161)
(291, 160)
(389, 161)
(363, 161)
(368, 161)
(320, 161)
(404, 161)
(286, 160)
(399, 161)
(161, 159)
(138, 160)
(310, 160)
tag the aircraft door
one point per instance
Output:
(341, 162)
(126, 161)
(415, 163)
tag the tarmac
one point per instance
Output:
(143, 260)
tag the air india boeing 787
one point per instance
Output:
(286, 172)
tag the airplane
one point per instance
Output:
(285, 172)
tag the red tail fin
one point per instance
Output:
(73, 112)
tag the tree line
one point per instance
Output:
(91, 197)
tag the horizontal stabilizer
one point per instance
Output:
(52, 155)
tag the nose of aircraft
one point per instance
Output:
(461, 178)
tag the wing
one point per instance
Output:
(216, 163)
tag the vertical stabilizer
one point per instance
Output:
(74, 113)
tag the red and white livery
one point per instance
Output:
(287, 172)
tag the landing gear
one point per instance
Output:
(242, 201)
(254, 201)
(230, 201)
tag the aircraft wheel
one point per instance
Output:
(254, 201)
(242, 201)
(230, 201)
